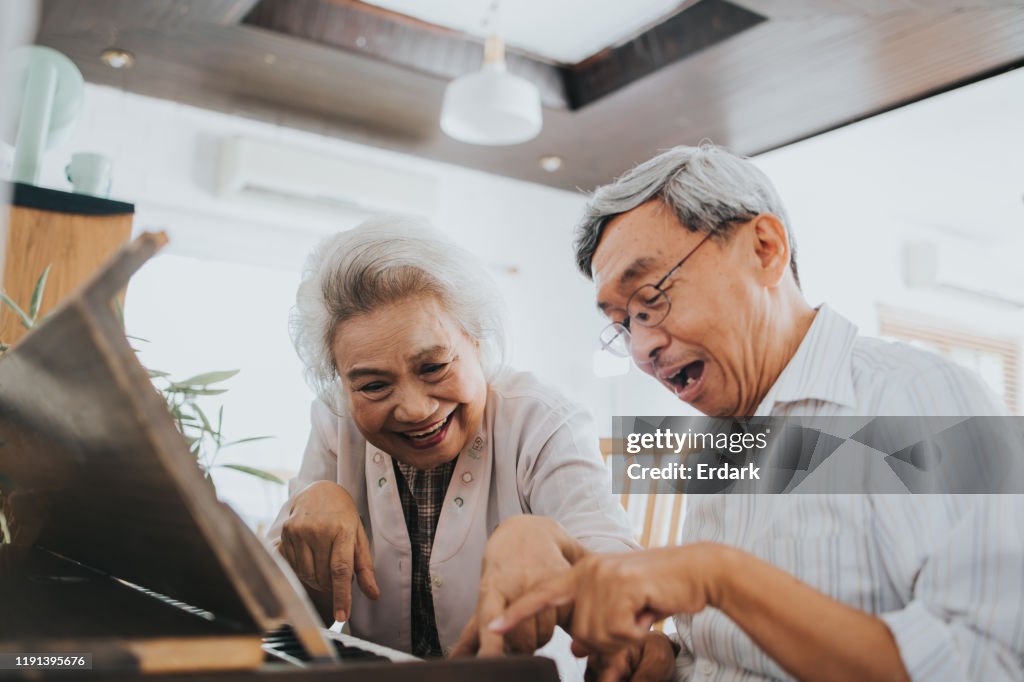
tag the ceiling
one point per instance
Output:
(571, 31)
(749, 74)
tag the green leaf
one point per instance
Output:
(119, 310)
(37, 294)
(189, 392)
(26, 321)
(205, 391)
(202, 416)
(156, 374)
(207, 378)
(246, 440)
(258, 473)
(136, 338)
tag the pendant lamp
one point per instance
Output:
(491, 106)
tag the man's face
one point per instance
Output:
(703, 350)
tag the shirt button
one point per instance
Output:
(467, 477)
(707, 668)
(437, 581)
(458, 501)
(378, 457)
(381, 482)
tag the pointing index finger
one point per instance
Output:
(491, 642)
(341, 575)
(469, 640)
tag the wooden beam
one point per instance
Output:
(826, 9)
(72, 16)
(693, 29)
(372, 32)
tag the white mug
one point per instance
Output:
(89, 173)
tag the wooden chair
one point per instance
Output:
(657, 519)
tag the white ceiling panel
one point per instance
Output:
(565, 31)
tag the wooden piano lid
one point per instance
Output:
(93, 469)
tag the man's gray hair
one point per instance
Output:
(707, 187)
(385, 260)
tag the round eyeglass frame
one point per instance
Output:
(648, 306)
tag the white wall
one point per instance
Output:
(948, 170)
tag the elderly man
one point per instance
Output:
(695, 267)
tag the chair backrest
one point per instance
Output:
(657, 519)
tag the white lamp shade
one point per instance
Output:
(65, 104)
(491, 107)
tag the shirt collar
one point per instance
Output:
(821, 369)
(418, 479)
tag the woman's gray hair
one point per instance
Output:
(381, 261)
(707, 187)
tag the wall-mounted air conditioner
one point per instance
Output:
(991, 275)
(258, 169)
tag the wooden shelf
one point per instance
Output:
(56, 201)
(73, 234)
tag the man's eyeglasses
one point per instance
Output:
(648, 306)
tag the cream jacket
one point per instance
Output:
(535, 453)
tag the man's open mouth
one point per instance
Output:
(687, 378)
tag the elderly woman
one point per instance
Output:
(422, 443)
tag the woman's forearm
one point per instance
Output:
(809, 634)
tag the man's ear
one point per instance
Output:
(771, 244)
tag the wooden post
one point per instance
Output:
(74, 234)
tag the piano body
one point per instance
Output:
(118, 549)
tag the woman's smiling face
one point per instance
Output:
(414, 383)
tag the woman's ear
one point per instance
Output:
(771, 244)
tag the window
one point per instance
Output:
(996, 360)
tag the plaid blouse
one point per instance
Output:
(422, 494)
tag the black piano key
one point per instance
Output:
(284, 641)
(347, 652)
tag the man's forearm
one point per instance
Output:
(809, 634)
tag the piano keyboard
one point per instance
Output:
(393, 655)
(282, 644)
